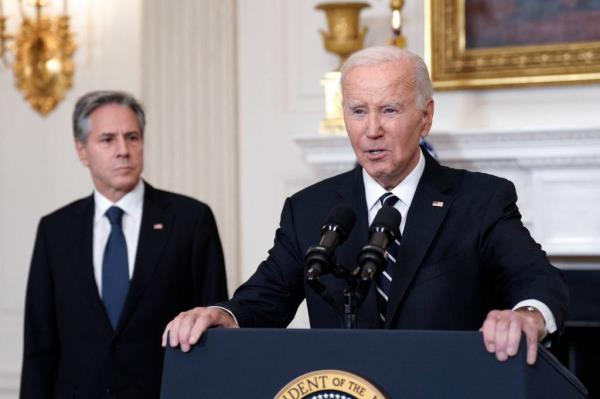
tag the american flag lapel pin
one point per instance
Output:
(157, 226)
(438, 204)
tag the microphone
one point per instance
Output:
(337, 227)
(384, 229)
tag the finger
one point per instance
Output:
(489, 333)
(532, 346)
(185, 327)
(200, 325)
(174, 331)
(502, 326)
(514, 335)
(165, 335)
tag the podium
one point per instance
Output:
(401, 364)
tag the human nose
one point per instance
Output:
(122, 147)
(374, 125)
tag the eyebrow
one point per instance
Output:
(394, 104)
(116, 134)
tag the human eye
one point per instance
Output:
(106, 139)
(357, 111)
(133, 136)
(390, 110)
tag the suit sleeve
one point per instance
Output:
(41, 345)
(208, 265)
(519, 266)
(272, 295)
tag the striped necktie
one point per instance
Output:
(384, 279)
(115, 269)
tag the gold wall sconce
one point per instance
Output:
(43, 50)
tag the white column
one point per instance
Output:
(189, 91)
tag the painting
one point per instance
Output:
(507, 43)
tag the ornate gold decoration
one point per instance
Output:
(453, 66)
(345, 37)
(398, 38)
(329, 383)
(43, 50)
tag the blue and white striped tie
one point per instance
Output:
(384, 279)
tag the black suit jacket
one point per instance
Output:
(70, 349)
(455, 263)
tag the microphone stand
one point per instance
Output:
(354, 294)
(358, 281)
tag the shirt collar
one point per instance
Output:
(405, 190)
(131, 203)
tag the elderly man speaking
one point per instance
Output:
(464, 262)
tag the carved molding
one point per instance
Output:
(479, 148)
(532, 148)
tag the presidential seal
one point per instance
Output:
(329, 384)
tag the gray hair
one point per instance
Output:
(93, 100)
(389, 54)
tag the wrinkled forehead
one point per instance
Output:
(379, 83)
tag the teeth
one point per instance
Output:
(375, 151)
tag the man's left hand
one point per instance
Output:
(502, 330)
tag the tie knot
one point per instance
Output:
(114, 215)
(388, 199)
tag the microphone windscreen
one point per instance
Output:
(389, 218)
(342, 216)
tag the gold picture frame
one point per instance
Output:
(454, 66)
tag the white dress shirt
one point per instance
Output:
(405, 191)
(132, 205)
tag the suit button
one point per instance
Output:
(110, 390)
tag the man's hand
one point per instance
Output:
(502, 330)
(186, 329)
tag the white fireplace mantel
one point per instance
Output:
(556, 172)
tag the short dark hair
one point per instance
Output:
(93, 100)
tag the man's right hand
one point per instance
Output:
(186, 329)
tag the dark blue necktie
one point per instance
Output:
(115, 271)
(384, 279)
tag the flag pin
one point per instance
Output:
(439, 204)
(158, 226)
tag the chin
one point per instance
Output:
(376, 171)
(126, 185)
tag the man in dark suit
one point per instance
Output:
(464, 261)
(110, 270)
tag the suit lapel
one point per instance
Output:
(428, 209)
(155, 229)
(82, 232)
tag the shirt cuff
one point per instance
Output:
(228, 312)
(544, 310)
